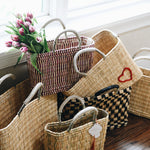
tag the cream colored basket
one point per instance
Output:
(26, 130)
(114, 67)
(140, 94)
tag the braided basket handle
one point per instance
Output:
(140, 51)
(66, 101)
(83, 112)
(83, 51)
(36, 89)
(141, 58)
(65, 31)
(2, 79)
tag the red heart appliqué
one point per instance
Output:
(125, 80)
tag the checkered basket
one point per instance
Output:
(58, 73)
(140, 95)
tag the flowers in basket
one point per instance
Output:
(25, 38)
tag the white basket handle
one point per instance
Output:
(65, 31)
(2, 79)
(52, 20)
(140, 51)
(83, 51)
(31, 95)
(141, 58)
(81, 113)
(66, 101)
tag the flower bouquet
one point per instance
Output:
(26, 39)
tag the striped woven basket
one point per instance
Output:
(26, 129)
(140, 95)
(12, 99)
(58, 73)
(74, 134)
(116, 67)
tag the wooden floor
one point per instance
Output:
(135, 136)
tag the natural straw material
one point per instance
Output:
(11, 101)
(26, 130)
(78, 138)
(116, 67)
(57, 69)
(140, 95)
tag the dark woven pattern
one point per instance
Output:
(116, 103)
(58, 73)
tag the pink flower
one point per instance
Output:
(18, 15)
(30, 15)
(15, 44)
(38, 39)
(28, 19)
(23, 49)
(21, 31)
(8, 43)
(31, 28)
(15, 38)
(23, 44)
(27, 23)
(19, 23)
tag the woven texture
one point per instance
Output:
(11, 101)
(27, 131)
(107, 71)
(57, 67)
(140, 96)
(57, 138)
(116, 103)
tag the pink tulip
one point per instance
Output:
(15, 38)
(23, 44)
(21, 31)
(27, 23)
(23, 49)
(19, 23)
(28, 19)
(30, 15)
(38, 39)
(15, 44)
(8, 43)
(31, 28)
(18, 16)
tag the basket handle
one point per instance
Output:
(9, 75)
(84, 112)
(31, 95)
(140, 51)
(65, 31)
(52, 20)
(141, 58)
(107, 89)
(83, 51)
(66, 101)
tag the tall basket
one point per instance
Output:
(115, 67)
(26, 129)
(58, 73)
(140, 95)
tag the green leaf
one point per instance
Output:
(45, 42)
(33, 59)
(9, 32)
(32, 47)
(20, 57)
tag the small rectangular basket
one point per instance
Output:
(58, 73)
(140, 95)
(26, 130)
(62, 136)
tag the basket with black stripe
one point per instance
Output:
(112, 99)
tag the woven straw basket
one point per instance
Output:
(12, 99)
(116, 67)
(140, 95)
(58, 73)
(26, 130)
(65, 136)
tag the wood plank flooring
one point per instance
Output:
(135, 136)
